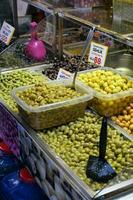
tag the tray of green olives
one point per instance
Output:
(74, 142)
(18, 77)
(113, 90)
(52, 103)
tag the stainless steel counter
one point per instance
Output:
(122, 60)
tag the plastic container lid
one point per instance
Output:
(80, 87)
(53, 114)
(4, 147)
(26, 176)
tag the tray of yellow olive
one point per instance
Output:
(76, 141)
(52, 103)
(113, 90)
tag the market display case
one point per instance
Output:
(51, 172)
(48, 164)
(51, 10)
(77, 18)
(14, 56)
(75, 47)
(107, 32)
(122, 15)
(55, 173)
(64, 25)
(57, 156)
(43, 14)
(103, 18)
(51, 20)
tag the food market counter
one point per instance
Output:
(105, 95)
(52, 173)
(58, 156)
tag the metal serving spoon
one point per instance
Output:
(86, 45)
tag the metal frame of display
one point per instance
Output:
(61, 13)
(46, 7)
(122, 38)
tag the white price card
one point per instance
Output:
(6, 33)
(98, 54)
(63, 74)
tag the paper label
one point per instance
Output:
(6, 33)
(63, 74)
(98, 54)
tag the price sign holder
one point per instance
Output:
(63, 74)
(98, 54)
(6, 33)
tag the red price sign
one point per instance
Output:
(97, 61)
(97, 54)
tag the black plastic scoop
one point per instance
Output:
(98, 169)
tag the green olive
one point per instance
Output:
(76, 151)
(14, 79)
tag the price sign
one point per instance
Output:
(63, 74)
(98, 54)
(6, 33)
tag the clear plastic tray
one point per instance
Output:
(110, 104)
(56, 113)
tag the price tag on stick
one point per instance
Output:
(6, 33)
(63, 74)
(98, 54)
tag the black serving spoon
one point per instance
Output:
(98, 169)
